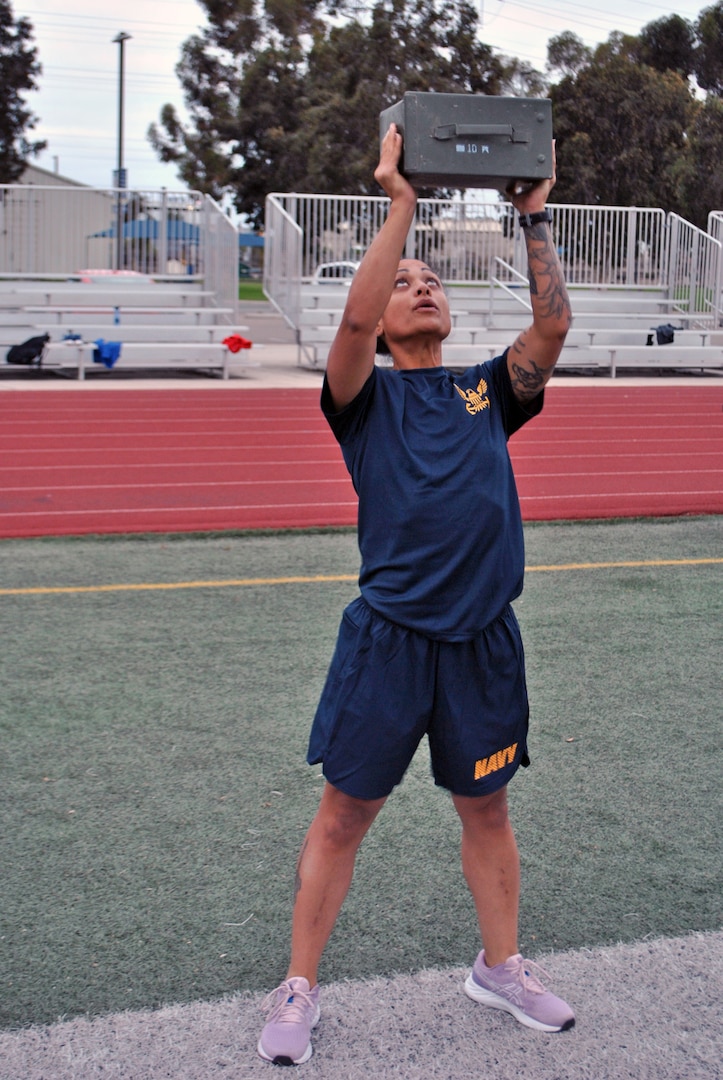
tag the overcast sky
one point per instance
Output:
(78, 98)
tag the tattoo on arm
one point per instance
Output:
(526, 382)
(551, 317)
(547, 284)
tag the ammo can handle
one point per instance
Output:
(451, 131)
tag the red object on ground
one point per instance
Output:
(140, 460)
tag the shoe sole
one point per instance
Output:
(487, 997)
(284, 1059)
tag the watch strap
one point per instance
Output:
(526, 220)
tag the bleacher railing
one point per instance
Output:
(283, 259)
(695, 269)
(611, 245)
(219, 245)
(59, 230)
(466, 241)
(715, 224)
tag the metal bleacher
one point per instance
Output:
(609, 334)
(163, 288)
(157, 325)
(629, 271)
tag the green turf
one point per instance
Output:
(154, 791)
(251, 290)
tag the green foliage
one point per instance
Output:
(668, 44)
(709, 50)
(621, 132)
(18, 72)
(629, 129)
(701, 177)
(287, 97)
(567, 53)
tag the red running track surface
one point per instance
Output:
(135, 460)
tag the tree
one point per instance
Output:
(701, 179)
(709, 49)
(286, 97)
(668, 44)
(567, 53)
(18, 72)
(520, 79)
(618, 46)
(621, 130)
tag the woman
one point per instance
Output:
(432, 645)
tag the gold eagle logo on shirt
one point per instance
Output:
(475, 400)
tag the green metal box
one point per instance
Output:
(472, 140)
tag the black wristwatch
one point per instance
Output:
(526, 220)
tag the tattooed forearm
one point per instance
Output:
(547, 285)
(532, 358)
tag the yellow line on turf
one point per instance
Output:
(152, 586)
(626, 564)
(155, 586)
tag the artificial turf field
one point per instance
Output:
(155, 793)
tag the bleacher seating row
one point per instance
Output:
(157, 326)
(80, 357)
(104, 296)
(612, 330)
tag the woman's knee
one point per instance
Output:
(343, 820)
(484, 812)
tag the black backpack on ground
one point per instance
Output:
(29, 353)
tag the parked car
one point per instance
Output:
(334, 273)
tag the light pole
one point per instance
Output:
(120, 173)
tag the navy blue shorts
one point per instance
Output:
(387, 687)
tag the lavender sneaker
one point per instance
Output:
(293, 1010)
(512, 987)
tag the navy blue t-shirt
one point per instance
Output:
(440, 531)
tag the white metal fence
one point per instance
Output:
(219, 247)
(468, 241)
(694, 275)
(715, 224)
(283, 260)
(611, 245)
(60, 230)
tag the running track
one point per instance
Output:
(142, 460)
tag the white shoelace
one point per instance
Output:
(287, 1004)
(528, 976)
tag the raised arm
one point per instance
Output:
(532, 358)
(351, 357)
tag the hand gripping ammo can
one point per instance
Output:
(472, 140)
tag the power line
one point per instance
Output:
(588, 15)
(58, 74)
(107, 20)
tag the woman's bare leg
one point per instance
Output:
(491, 866)
(324, 873)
